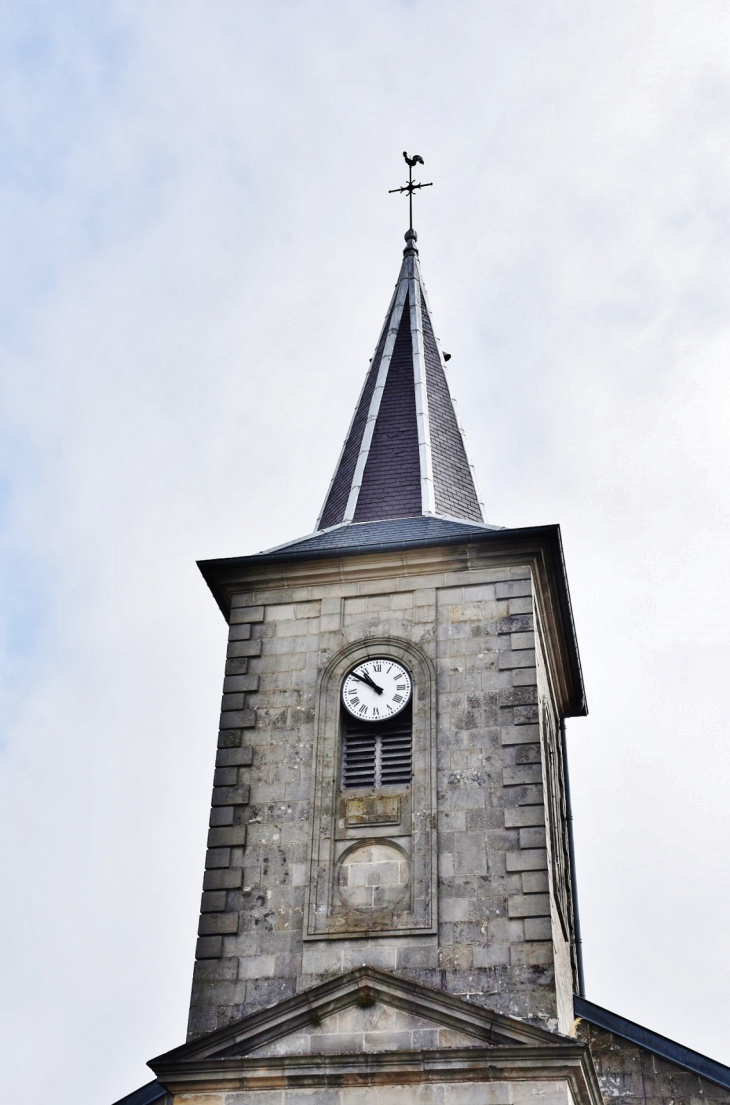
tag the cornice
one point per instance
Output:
(539, 546)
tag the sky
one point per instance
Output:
(198, 250)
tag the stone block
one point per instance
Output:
(527, 859)
(240, 757)
(519, 775)
(221, 815)
(529, 905)
(230, 738)
(307, 609)
(532, 837)
(526, 796)
(515, 623)
(509, 660)
(520, 605)
(225, 776)
(213, 901)
(238, 719)
(209, 947)
(538, 928)
(527, 754)
(239, 632)
(522, 734)
(519, 641)
(223, 879)
(246, 614)
(470, 854)
(532, 955)
(515, 817)
(517, 696)
(256, 966)
(230, 796)
(491, 955)
(244, 648)
(526, 715)
(232, 702)
(524, 677)
(517, 588)
(214, 970)
(234, 683)
(215, 924)
(453, 909)
(217, 857)
(535, 882)
(237, 666)
(228, 836)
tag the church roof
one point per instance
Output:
(384, 533)
(405, 453)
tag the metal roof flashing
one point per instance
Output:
(659, 1045)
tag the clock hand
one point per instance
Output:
(368, 680)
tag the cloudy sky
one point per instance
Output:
(199, 247)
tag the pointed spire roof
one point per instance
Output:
(405, 453)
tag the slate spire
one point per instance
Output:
(405, 453)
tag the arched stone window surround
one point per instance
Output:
(415, 835)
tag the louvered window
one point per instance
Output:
(377, 755)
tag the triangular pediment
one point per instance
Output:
(370, 1027)
(363, 1010)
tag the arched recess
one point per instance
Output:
(412, 829)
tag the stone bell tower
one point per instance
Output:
(387, 908)
(453, 870)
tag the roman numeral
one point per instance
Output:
(377, 667)
(397, 697)
(400, 686)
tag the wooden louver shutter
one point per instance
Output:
(377, 756)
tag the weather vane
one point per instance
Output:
(410, 187)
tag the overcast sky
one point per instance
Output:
(199, 247)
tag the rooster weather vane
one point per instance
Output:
(410, 187)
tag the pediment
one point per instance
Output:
(365, 1010)
(368, 1028)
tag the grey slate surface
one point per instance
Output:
(145, 1095)
(334, 509)
(391, 485)
(452, 480)
(396, 476)
(388, 533)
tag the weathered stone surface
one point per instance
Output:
(634, 1076)
(494, 942)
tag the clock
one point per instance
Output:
(376, 689)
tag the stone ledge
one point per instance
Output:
(245, 613)
(215, 924)
(209, 947)
(238, 757)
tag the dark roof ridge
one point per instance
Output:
(659, 1045)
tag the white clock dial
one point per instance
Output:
(376, 689)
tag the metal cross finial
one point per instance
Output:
(410, 187)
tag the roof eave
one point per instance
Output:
(215, 572)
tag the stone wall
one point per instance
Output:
(438, 1093)
(498, 940)
(631, 1074)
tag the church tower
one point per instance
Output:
(387, 902)
(414, 822)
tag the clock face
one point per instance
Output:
(376, 689)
